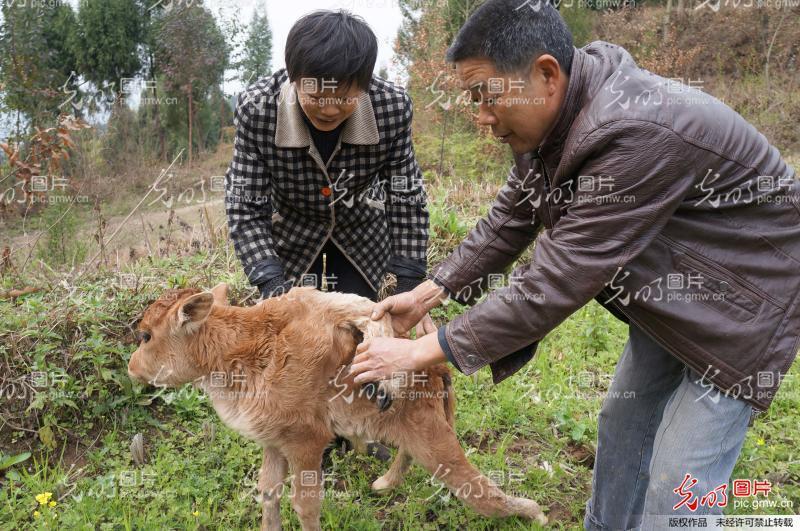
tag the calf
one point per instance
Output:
(290, 392)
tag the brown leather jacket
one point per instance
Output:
(663, 204)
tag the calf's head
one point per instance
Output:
(167, 336)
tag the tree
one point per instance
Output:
(257, 60)
(36, 60)
(107, 44)
(192, 55)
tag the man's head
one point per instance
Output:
(525, 49)
(330, 56)
(166, 334)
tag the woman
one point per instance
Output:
(324, 188)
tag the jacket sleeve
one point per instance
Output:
(406, 200)
(601, 230)
(247, 198)
(495, 242)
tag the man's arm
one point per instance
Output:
(406, 208)
(496, 241)
(600, 232)
(247, 203)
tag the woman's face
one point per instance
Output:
(325, 102)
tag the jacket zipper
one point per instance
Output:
(725, 274)
(546, 198)
(318, 159)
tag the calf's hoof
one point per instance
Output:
(379, 451)
(530, 509)
(382, 484)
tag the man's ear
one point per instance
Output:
(195, 310)
(220, 293)
(547, 66)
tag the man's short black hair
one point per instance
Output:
(332, 44)
(512, 33)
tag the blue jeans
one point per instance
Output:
(657, 424)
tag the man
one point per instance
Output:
(324, 188)
(657, 200)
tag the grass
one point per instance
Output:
(534, 433)
(69, 413)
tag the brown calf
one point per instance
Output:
(287, 388)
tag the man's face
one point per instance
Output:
(325, 102)
(519, 107)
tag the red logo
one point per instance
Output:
(717, 497)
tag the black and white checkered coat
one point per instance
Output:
(283, 204)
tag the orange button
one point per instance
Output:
(326, 191)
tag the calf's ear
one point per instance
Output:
(195, 310)
(220, 293)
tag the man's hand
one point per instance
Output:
(407, 309)
(380, 358)
(406, 312)
(425, 326)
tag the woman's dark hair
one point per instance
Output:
(512, 33)
(332, 44)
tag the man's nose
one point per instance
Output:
(485, 116)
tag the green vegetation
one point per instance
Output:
(534, 433)
(69, 414)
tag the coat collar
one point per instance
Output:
(291, 131)
(570, 107)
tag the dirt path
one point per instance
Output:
(145, 232)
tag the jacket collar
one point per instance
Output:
(570, 107)
(291, 131)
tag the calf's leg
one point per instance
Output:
(306, 464)
(432, 443)
(270, 485)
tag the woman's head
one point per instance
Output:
(330, 56)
